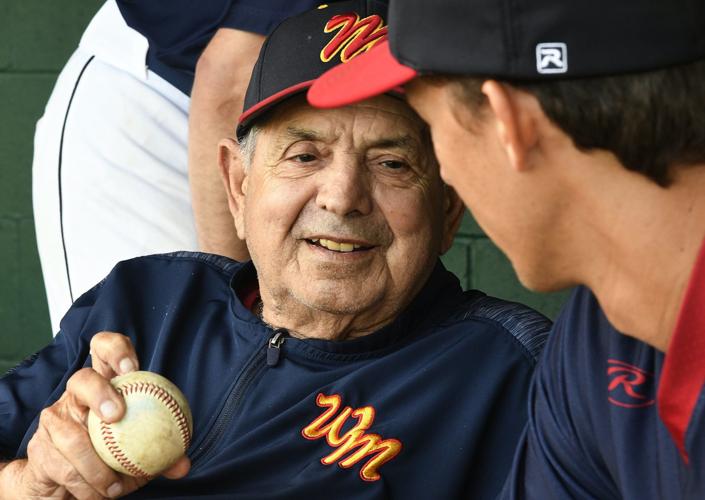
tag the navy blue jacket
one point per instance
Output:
(439, 396)
(596, 430)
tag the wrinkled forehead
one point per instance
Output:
(369, 120)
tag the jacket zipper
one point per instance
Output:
(252, 371)
(274, 346)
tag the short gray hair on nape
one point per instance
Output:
(247, 147)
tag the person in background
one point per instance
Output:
(124, 155)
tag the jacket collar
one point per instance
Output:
(435, 302)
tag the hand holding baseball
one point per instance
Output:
(61, 459)
(154, 432)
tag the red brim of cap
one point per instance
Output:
(367, 75)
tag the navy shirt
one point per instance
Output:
(440, 393)
(612, 417)
(179, 30)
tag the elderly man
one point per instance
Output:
(344, 360)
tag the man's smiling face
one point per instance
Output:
(344, 211)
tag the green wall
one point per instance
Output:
(480, 264)
(36, 39)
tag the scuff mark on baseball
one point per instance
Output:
(153, 434)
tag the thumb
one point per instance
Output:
(179, 469)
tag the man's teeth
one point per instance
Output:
(335, 246)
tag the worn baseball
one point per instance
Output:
(153, 434)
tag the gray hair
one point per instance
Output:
(247, 147)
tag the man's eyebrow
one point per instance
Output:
(303, 134)
(401, 142)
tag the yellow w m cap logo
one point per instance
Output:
(354, 35)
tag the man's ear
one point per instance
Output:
(232, 171)
(453, 216)
(515, 119)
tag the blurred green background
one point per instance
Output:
(36, 39)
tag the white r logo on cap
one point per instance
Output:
(551, 58)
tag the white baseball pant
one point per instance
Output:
(110, 164)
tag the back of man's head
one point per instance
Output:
(649, 120)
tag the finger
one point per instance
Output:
(74, 444)
(55, 449)
(113, 354)
(179, 469)
(89, 389)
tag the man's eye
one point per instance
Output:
(393, 164)
(304, 158)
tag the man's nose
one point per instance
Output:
(345, 188)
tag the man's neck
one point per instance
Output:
(302, 321)
(320, 326)
(645, 241)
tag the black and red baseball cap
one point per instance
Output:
(519, 40)
(304, 47)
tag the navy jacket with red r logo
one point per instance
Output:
(600, 405)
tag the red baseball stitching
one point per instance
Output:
(171, 404)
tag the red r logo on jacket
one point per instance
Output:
(628, 385)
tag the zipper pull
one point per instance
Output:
(274, 346)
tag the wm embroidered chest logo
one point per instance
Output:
(354, 445)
